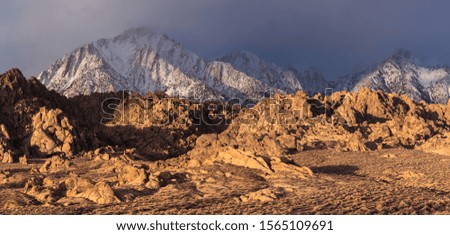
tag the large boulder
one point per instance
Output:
(100, 193)
(268, 166)
(54, 164)
(132, 175)
(52, 133)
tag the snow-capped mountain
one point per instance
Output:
(402, 73)
(143, 61)
(288, 80)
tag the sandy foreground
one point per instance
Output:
(379, 182)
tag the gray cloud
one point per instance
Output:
(333, 35)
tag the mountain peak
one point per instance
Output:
(144, 61)
(13, 72)
(403, 73)
(11, 77)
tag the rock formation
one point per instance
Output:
(361, 121)
(52, 133)
(112, 148)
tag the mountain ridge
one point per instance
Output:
(402, 73)
(143, 61)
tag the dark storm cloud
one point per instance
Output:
(333, 35)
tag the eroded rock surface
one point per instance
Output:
(53, 133)
(100, 193)
(362, 121)
(119, 149)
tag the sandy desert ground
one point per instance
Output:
(380, 182)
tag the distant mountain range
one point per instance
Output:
(402, 73)
(143, 61)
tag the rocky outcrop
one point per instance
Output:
(360, 121)
(100, 193)
(43, 189)
(160, 127)
(132, 175)
(26, 117)
(264, 195)
(437, 144)
(39, 123)
(266, 165)
(52, 133)
(54, 164)
(6, 154)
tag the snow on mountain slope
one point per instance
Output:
(402, 73)
(288, 80)
(142, 61)
(267, 73)
(313, 81)
(138, 60)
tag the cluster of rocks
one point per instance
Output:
(208, 154)
(120, 177)
(31, 124)
(67, 191)
(362, 121)
(389, 120)
(42, 123)
(113, 130)
(439, 143)
(161, 127)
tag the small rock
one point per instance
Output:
(264, 195)
(36, 188)
(389, 155)
(101, 193)
(23, 160)
(4, 177)
(153, 182)
(54, 164)
(132, 176)
(409, 175)
(7, 157)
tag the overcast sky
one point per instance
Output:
(335, 36)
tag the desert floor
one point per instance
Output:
(395, 181)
